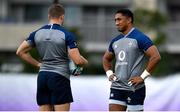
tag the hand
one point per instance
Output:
(112, 77)
(39, 65)
(135, 81)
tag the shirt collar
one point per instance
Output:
(129, 32)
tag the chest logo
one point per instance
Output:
(130, 44)
(121, 55)
(115, 46)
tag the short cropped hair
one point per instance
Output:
(127, 13)
(56, 10)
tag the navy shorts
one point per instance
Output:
(134, 100)
(53, 89)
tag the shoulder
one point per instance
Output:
(42, 27)
(110, 49)
(60, 28)
(144, 42)
(139, 35)
(117, 38)
(66, 32)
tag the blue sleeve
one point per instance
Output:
(30, 39)
(110, 49)
(144, 42)
(70, 41)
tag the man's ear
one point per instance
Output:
(129, 20)
(62, 17)
(48, 16)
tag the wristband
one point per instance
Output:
(109, 73)
(145, 74)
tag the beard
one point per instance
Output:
(121, 29)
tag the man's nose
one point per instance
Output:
(116, 22)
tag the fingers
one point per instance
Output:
(135, 81)
(135, 84)
(112, 78)
(38, 65)
(130, 83)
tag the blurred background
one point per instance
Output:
(92, 21)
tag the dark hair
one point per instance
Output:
(127, 13)
(56, 10)
(55, 1)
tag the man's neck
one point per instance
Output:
(128, 30)
(55, 21)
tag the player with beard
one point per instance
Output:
(135, 57)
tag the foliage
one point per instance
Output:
(164, 67)
(147, 20)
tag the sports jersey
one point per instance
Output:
(130, 59)
(52, 42)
